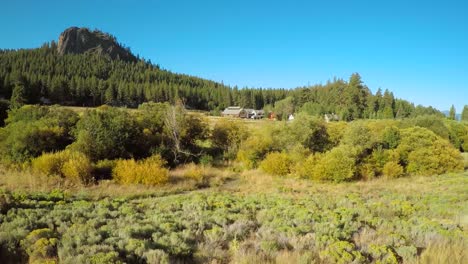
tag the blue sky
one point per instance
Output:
(417, 49)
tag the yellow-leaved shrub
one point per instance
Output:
(276, 163)
(194, 172)
(392, 169)
(150, 171)
(78, 168)
(253, 150)
(306, 168)
(71, 165)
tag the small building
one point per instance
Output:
(235, 111)
(256, 114)
(331, 117)
(291, 117)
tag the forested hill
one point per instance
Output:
(94, 78)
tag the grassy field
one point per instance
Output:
(237, 218)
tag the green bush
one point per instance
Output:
(440, 158)
(391, 137)
(107, 133)
(71, 165)
(308, 131)
(358, 135)
(227, 137)
(276, 163)
(253, 150)
(338, 164)
(335, 131)
(307, 168)
(432, 122)
(32, 130)
(150, 171)
(424, 153)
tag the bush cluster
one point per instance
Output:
(365, 150)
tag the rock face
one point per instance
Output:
(76, 40)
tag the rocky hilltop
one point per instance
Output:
(76, 40)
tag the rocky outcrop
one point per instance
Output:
(76, 40)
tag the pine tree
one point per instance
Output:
(18, 96)
(464, 116)
(452, 113)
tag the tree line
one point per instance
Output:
(30, 76)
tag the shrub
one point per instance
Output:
(40, 245)
(227, 137)
(392, 170)
(206, 160)
(32, 130)
(72, 165)
(309, 131)
(391, 137)
(194, 172)
(335, 131)
(307, 168)
(424, 153)
(21, 141)
(156, 256)
(337, 165)
(107, 134)
(433, 123)
(253, 150)
(49, 163)
(440, 158)
(150, 171)
(358, 135)
(458, 132)
(465, 158)
(342, 252)
(276, 163)
(78, 168)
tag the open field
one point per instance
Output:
(252, 218)
(158, 185)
